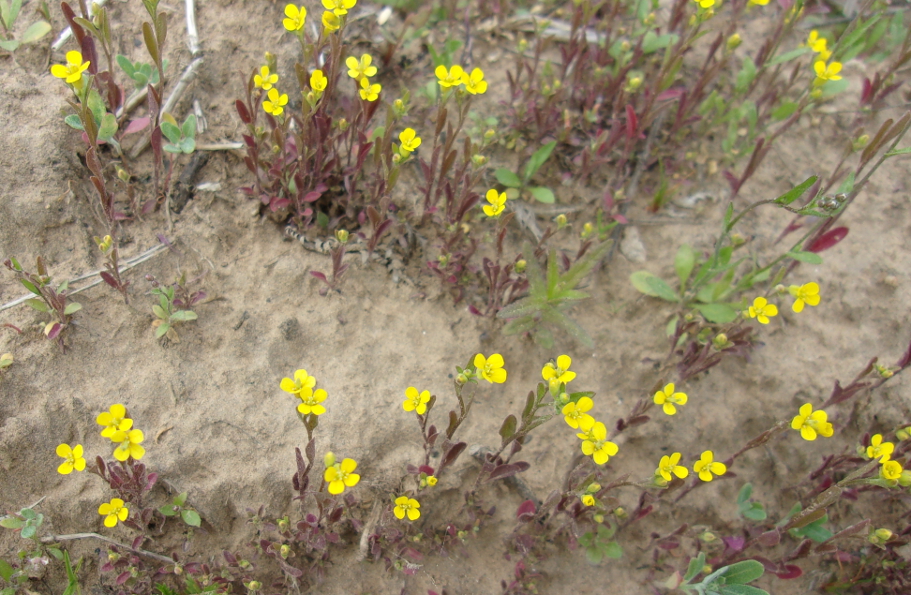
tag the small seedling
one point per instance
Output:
(601, 544)
(49, 300)
(728, 580)
(181, 139)
(518, 185)
(140, 73)
(176, 507)
(172, 307)
(747, 508)
(9, 13)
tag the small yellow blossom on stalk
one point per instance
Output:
(808, 293)
(72, 459)
(415, 401)
(302, 384)
(758, 2)
(72, 71)
(497, 202)
(705, 3)
(668, 398)
(491, 369)
(474, 82)
(816, 43)
(669, 465)
(115, 420)
(706, 466)
(331, 21)
(891, 470)
(265, 80)
(369, 92)
(310, 402)
(762, 310)
(825, 73)
(557, 373)
(431, 480)
(409, 139)
(339, 7)
(811, 422)
(405, 505)
(318, 81)
(128, 445)
(596, 445)
(449, 78)
(360, 69)
(588, 500)
(576, 416)
(113, 511)
(104, 244)
(734, 41)
(878, 449)
(297, 17)
(340, 475)
(276, 102)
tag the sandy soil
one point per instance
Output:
(218, 426)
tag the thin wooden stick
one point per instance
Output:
(55, 538)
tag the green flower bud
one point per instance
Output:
(342, 235)
(520, 266)
(734, 41)
(329, 459)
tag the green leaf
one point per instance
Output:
(181, 499)
(738, 590)
(72, 308)
(6, 570)
(788, 56)
(125, 65)
(13, 14)
(507, 178)
(613, 550)
(847, 186)
(188, 145)
(190, 517)
(717, 313)
(746, 75)
(30, 286)
(639, 279)
(73, 121)
(28, 531)
(108, 127)
(171, 131)
(508, 428)
(9, 45)
(796, 192)
(743, 572)
(35, 31)
(662, 289)
(895, 152)
(11, 522)
(189, 126)
(833, 88)
(172, 148)
(651, 42)
(684, 263)
(695, 567)
(183, 315)
(785, 110)
(167, 510)
(808, 257)
(542, 194)
(522, 307)
(755, 512)
(37, 304)
(96, 105)
(593, 555)
(538, 159)
(745, 492)
(728, 216)
(159, 312)
(162, 329)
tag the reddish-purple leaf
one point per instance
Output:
(790, 571)
(526, 511)
(769, 538)
(107, 278)
(312, 196)
(504, 471)
(319, 276)
(137, 125)
(828, 239)
(632, 123)
(123, 577)
(243, 112)
(55, 330)
(735, 543)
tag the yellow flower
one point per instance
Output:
(72, 71)
(264, 80)
(669, 465)
(410, 141)
(808, 293)
(369, 92)
(405, 505)
(449, 78)
(276, 102)
(113, 511)
(340, 475)
(815, 42)
(72, 459)
(474, 82)
(576, 416)
(296, 17)
(762, 310)
(891, 470)
(339, 7)
(310, 403)
(431, 480)
(826, 73)
(318, 81)
(705, 3)
(878, 449)
(596, 445)
(115, 420)
(331, 22)
(497, 203)
(415, 401)
(811, 422)
(668, 398)
(588, 500)
(302, 385)
(706, 466)
(359, 69)
(491, 369)
(759, 2)
(555, 373)
(128, 445)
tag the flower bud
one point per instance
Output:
(734, 41)
(113, 557)
(707, 569)
(594, 487)
(461, 379)
(883, 371)
(520, 266)
(708, 537)
(625, 46)
(523, 45)
(587, 230)
(621, 513)
(599, 518)
(901, 433)
(285, 551)
(883, 534)
(396, 158)
(343, 124)
(178, 569)
(860, 142)
(122, 174)
(560, 221)
(721, 342)
(341, 235)
(329, 459)
(253, 586)
(633, 84)
(399, 108)
(479, 160)
(431, 480)
(489, 133)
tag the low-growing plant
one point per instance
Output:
(174, 303)
(9, 14)
(49, 300)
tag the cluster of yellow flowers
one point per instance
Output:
(890, 469)
(302, 387)
(806, 294)
(361, 71)
(456, 77)
(823, 71)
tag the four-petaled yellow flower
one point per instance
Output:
(808, 293)
(762, 310)
(596, 445)
(668, 398)
(878, 449)
(449, 78)
(310, 402)
(72, 71)
(128, 445)
(555, 373)
(576, 416)
(811, 422)
(705, 3)
(405, 505)
(72, 459)
(369, 92)
(588, 500)
(265, 80)
(474, 82)
(302, 384)
(410, 140)
(891, 470)
(432, 480)
(669, 465)
(707, 465)
(826, 73)
(331, 21)
(339, 7)
(497, 202)
(491, 369)
(115, 420)
(817, 43)
(296, 17)
(318, 81)
(113, 511)
(415, 401)
(276, 102)
(359, 69)
(340, 475)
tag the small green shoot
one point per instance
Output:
(140, 73)
(516, 185)
(183, 138)
(9, 13)
(168, 314)
(176, 507)
(601, 544)
(747, 508)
